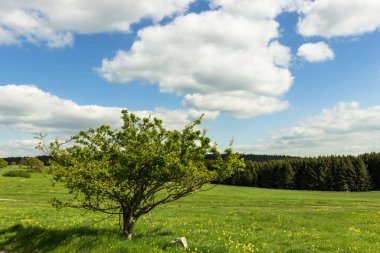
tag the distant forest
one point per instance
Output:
(17, 160)
(324, 173)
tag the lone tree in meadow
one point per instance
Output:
(132, 170)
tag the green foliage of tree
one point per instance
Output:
(33, 163)
(322, 176)
(362, 178)
(338, 175)
(132, 170)
(3, 163)
(284, 175)
(245, 177)
(265, 175)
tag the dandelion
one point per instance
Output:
(357, 230)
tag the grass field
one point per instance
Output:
(224, 219)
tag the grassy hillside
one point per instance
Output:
(224, 219)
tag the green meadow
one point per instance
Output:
(223, 219)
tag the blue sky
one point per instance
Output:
(292, 77)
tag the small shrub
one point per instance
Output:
(32, 163)
(17, 173)
(3, 163)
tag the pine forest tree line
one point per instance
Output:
(327, 173)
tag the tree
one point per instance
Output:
(33, 163)
(246, 177)
(372, 160)
(132, 170)
(3, 163)
(362, 179)
(283, 175)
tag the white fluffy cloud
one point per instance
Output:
(31, 25)
(330, 18)
(29, 109)
(258, 9)
(54, 22)
(315, 52)
(240, 104)
(344, 129)
(214, 54)
(13, 148)
(6, 38)
(205, 53)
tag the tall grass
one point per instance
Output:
(17, 173)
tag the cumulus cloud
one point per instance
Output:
(345, 129)
(330, 18)
(29, 109)
(6, 38)
(13, 148)
(214, 54)
(240, 104)
(31, 25)
(55, 22)
(258, 9)
(315, 52)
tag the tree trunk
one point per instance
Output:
(128, 224)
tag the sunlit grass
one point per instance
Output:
(224, 219)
